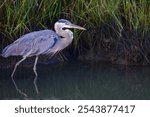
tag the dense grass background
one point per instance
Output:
(107, 21)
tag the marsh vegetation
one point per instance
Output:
(117, 30)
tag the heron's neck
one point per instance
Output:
(65, 34)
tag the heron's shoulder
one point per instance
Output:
(41, 33)
(37, 34)
(44, 32)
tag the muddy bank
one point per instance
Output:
(29, 62)
(125, 47)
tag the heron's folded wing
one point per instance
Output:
(43, 44)
(34, 43)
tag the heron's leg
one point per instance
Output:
(13, 78)
(36, 75)
(17, 65)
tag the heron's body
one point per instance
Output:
(37, 43)
(44, 42)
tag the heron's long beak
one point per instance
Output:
(76, 26)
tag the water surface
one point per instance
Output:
(78, 80)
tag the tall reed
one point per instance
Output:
(21, 16)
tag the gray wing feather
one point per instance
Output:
(31, 44)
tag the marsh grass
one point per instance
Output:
(126, 19)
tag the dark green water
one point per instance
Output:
(78, 80)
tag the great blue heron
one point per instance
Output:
(44, 42)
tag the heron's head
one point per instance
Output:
(65, 24)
